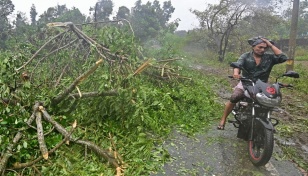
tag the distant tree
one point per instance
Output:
(302, 30)
(123, 13)
(61, 13)
(52, 14)
(262, 22)
(102, 10)
(21, 27)
(60, 10)
(33, 14)
(6, 8)
(73, 15)
(47, 16)
(220, 20)
(21, 20)
(150, 18)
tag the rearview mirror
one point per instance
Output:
(291, 74)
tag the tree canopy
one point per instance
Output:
(151, 18)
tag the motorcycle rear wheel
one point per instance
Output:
(260, 148)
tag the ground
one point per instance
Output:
(213, 152)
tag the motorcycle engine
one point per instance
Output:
(244, 110)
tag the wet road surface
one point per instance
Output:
(220, 153)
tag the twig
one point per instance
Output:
(25, 64)
(37, 171)
(58, 99)
(116, 154)
(94, 94)
(52, 53)
(61, 75)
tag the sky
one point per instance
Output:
(188, 20)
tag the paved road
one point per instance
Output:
(218, 153)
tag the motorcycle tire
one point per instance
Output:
(260, 148)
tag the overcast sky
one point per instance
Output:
(188, 20)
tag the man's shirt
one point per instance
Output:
(263, 70)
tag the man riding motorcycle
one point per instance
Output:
(257, 64)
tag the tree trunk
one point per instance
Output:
(293, 34)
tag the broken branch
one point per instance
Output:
(82, 77)
(40, 135)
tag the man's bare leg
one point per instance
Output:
(228, 108)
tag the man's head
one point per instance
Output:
(258, 45)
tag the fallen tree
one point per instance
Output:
(63, 79)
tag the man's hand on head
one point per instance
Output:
(269, 44)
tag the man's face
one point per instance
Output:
(260, 49)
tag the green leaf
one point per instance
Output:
(7, 109)
(25, 144)
(3, 122)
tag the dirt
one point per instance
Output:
(220, 153)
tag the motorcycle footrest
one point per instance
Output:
(235, 123)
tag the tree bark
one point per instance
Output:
(40, 135)
(293, 34)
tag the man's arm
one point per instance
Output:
(236, 73)
(276, 50)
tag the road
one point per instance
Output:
(218, 153)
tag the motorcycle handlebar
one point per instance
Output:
(281, 85)
(241, 78)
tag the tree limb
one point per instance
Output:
(100, 152)
(62, 96)
(40, 135)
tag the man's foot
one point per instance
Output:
(220, 127)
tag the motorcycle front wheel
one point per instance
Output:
(260, 148)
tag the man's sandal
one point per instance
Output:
(220, 127)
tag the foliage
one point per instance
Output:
(102, 10)
(123, 13)
(220, 21)
(72, 15)
(167, 46)
(6, 8)
(301, 53)
(150, 18)
(62, 14)
(33, 14)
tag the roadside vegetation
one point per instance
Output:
(99, 97)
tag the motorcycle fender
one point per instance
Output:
(266, 123)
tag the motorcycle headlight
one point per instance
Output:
(266, 101)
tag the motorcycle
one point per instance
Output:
(253, 115)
